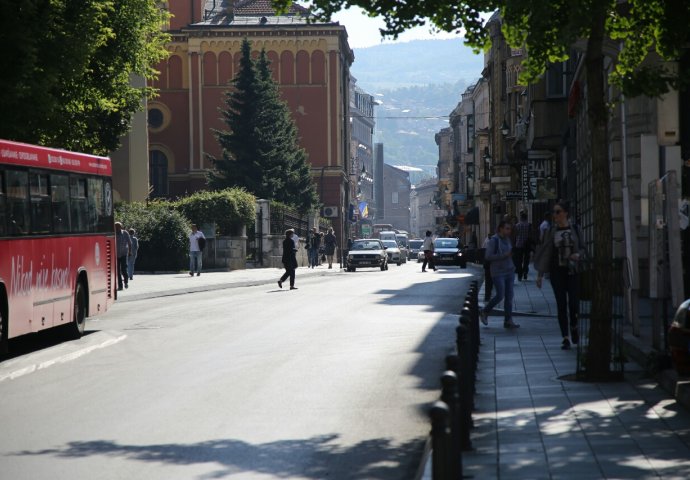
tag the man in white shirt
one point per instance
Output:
(195, 250)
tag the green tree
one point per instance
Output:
(288, 158)
(644, 29)
(65, 80)
(261, 152)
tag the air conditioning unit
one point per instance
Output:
(330, 212)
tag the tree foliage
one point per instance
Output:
(261, 152)
(635, 33)
(65, 81)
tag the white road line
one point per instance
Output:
(68, 357)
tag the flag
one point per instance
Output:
(363, 209)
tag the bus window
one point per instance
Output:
(40, 203)
(3, 206)
(59, 196)
(78, 207)
(18, 202)
(96, 205)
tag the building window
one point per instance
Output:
(555, 80)
(470, 132)
(394, 199)
(155, 118)
(158, 173)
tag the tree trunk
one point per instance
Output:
(598, 358)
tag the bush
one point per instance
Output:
(162, 232)
(230, 209)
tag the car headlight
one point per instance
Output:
(435, 254)
(459, 254)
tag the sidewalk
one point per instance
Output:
(532, 424)
(145, 285)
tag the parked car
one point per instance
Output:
(393, 252)
(367, 252)
(414, 246)
(449, 251)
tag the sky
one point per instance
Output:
(363, 31)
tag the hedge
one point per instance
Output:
(163, 227)
(162, 232)
(230, 209)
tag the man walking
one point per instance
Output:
(195, 239)
(522, 248)
(428, 247)
(132, 253)
(123, 245)
(314, 244)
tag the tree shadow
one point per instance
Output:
(317, 457)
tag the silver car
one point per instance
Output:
(393, 252)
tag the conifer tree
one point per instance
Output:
(261, 151)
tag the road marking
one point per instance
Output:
(67, 357)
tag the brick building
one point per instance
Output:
(310, 62)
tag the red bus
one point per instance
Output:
(57, 239)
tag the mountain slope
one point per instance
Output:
(418, 84)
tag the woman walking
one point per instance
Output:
(559, 255)
(499, 253)
(330, 241)
(289, 260)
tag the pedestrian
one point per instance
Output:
(314, 242)
(499, 253)
(123, 244)
(289, 260)
(132, 253)
(559, 256)
(428, 247)
(521, 252)
(197, 240)
(321, 255)
(488, 283)
(544, 227)
(329, 244)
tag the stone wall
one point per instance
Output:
(227, 253)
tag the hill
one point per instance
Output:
(418, 84)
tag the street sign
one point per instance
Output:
(513, 195)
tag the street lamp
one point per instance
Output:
(505, 129)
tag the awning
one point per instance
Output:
(472, 216)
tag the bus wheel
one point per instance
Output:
(76, 328)
(4, 323)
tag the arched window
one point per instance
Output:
(158, 173)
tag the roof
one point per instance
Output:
(250, 12)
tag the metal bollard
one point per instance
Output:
(474, 321)
(440, 441)
(449, 395)
(466, 386)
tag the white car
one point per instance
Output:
(393, 252)
(367, 252)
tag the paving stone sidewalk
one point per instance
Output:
(531, 422)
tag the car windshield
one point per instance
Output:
(446, 243)
(366, 245)
(389, 244)
(416, 243)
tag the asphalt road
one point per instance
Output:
(331, 381)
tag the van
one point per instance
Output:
(389, 235)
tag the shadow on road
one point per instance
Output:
(318, 457)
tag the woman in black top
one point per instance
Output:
(559, 255)
(289, 260)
